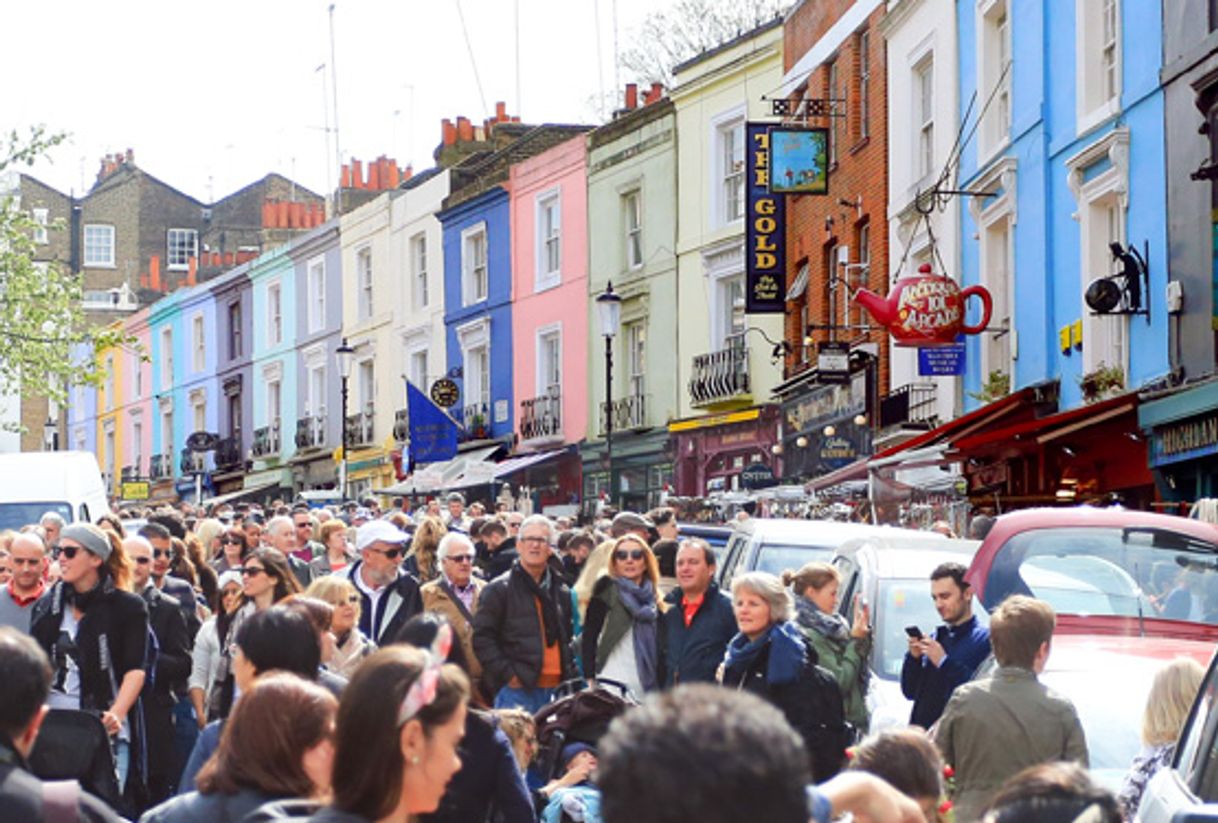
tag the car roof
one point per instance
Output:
(814, 531)
(905, 556)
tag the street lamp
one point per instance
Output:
(50, 435)
(344, 355)
(609, 307)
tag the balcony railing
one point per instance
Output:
(627, 413)
(913, 405)
(192, 462)
(129, 474)
(721, 375)
(160, 467)
(477, 421)
(228, 452)
(359, 428)
(401, 425)
(266, 440)
(311, 431)
(541, 417)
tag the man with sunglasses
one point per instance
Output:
(388, 596)
(159, 538)
(455, 593)
(28, 557)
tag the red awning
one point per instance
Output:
(1017, 404)
(1041, 430)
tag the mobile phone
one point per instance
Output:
(914, 632)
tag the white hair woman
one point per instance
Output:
(771, 658)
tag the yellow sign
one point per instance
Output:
(1063, 339)
(135, 490)
(1076, 334)
(714, 420)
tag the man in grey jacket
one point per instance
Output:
(995, 728)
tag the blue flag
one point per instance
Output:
(433, 434)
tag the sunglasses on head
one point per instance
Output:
(632, 554)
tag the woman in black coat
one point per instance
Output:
(771, 658)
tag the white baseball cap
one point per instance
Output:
(379, 531)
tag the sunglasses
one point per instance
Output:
(252, 571)
(390, 554)
(633, 554)
(166, 553)
(143, 561)
(234, 592)
(232, 541)
(69, 551)
(461, 558)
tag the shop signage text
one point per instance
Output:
(926, 309)
(1185, 440)
(765, 230)
(824, 404)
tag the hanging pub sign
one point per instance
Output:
(765, 230)
(799, 160)
(926, 309)
(833, 362)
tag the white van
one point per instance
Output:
(68, 483)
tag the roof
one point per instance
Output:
(722, 47)
(910, 555)
(813, 531)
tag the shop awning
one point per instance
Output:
(798, 284)
(1046, 429)
(435, 477)
(477, 474)
(233, 497)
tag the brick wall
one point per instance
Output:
(816, 224)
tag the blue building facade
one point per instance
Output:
(478, 316)
(1066, 160)
(195, 385)
(273, 365)
(232, 295)
(168, 413)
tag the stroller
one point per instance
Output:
(73, 745)
(577, 715)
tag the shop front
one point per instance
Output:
(712, 454)
(268, 484)
(314, 469)
(825, 429)
(641, 471)
(1182, 428)
(368, 469)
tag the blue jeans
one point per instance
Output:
(531, 700)
(185, 730)
(122, 761)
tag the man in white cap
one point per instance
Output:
(389, 596)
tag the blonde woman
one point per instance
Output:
(621, 640)
(1167, 707)
(350, 644)
(421, 559)
(596, 567)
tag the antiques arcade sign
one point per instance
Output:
(765, 230)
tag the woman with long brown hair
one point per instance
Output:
(421, 559)
(234, 546)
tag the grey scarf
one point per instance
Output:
(832, 625)
(640, 603)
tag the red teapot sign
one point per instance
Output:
(926, 309)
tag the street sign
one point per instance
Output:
(202, 441)
(757, 476)
(135, 490)
(444, 392)
(833, 362)
(942, 361)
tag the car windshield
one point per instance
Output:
(1109, 571)
(903, 602)
(776, 559)
(16, 515)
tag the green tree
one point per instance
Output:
(45, 343)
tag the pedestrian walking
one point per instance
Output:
(280, 534)
(421, 559)
(28, 557)
(994, 728)
(350, 644)
(936, 664)
(501, 549)
(234, 546)
(841, 647)
(206, 655)
(908, 761)
(455, 594)
(336, 554)
(388, 595)
(700, 621)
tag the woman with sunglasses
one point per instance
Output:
(233, 549)
(212, 637)
(350, 644)
(95, 631)
(621, 641)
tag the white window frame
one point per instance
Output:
(363, 283)
(136, 367)
(724, 265)
(198, 409)
(634, 356)
(469, 274)
(97, 246)
(993, 45)
(419, 377)
(418, 270)
(1105, 337)
(315, 300)
(274, 313)
(548, 239)
(198, 342)
(474, 337)
(1097, 84)
(833, 77)
(236, 343)
(137, 442)
(923, 111)
(731, 121)
(863, 45)
(166, 357)
(174, 246)
(543, 335)
(632, 223)
(167, 431)
(41, 218)
(108, 389)
(995, 215)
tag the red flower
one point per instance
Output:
(850, 753)
(949, 772)
(945, 807)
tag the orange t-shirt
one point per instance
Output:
(551, 657)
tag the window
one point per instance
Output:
(363, 271)
(864, 55)
(198, 344)
(136, 369)
(833, 93)
(182, 245)
(200, 414)
(856, 278)
(993, 76)
(110, 456)
(473, 264)
(731, 310)
(804, 350)
(167, 433)
(274, 314)
(632, 208)
(137, 447)
(481, 358)
(418, 269)
(99, 245)
(234, 415)
(316, 400)
(41, 219)
(234, 330)
(924, 119)
(316, 284)
(418, 370)
(731, 167)
(1097, 34)
(367, 386)
(273, 398)
(636, 357)
(549, 362)
(166, 358)
(549, 247)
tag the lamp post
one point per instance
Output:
(344, 355)
(609, 307)
(50, 435)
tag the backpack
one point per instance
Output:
(831, 734)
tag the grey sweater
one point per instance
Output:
(13, 615)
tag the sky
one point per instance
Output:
(213, 96)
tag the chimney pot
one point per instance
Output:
(448, 132)
(632, 96)
(500, 111)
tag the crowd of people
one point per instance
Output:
(241, 663)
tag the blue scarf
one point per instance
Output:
(788, 654)
(640, 603)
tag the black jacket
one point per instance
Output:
(693, 653)
(21, 794)
(169, 679)
(501, 559)
(508, 634)
(184, 595)
(489, 779)
(400, 602)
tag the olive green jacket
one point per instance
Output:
(846, 662)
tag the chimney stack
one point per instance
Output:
(632, 96)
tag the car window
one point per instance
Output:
(848, 569)
(1196, 751)
(84, 513)
(734, 549)
(776, 558)
(15, 515)
(904, 602)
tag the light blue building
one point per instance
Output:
(273, 371)
(195, 390)
(167, 352)
(1067, 159)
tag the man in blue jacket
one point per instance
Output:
(700, 622)
(935, 665)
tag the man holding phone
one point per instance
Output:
(936, 665)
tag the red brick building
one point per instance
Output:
(834, 50)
